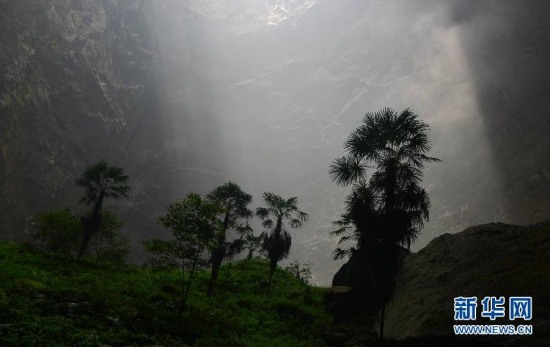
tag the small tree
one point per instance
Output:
(276, 241)
(194, 226)
(101, 181)
(301, 271)
(59, 231)
(165, 254)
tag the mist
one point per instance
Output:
(265, 94)
(187, 95)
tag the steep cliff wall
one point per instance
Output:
(486, 260)
(508, 51)
(77, 86)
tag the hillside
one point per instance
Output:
(48, 301)
(486, 260)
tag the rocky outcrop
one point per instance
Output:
(339, 303)
(487, 260)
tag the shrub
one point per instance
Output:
(58, 231)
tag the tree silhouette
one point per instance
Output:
(387, 209)
(252, 244)
(235, 215)
(101, 182)
(277, 241)
(360, 223)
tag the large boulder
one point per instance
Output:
(363, 296)
(339, 303)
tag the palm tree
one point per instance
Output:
(388, 209)
(101, 181)
(396, 146)
(234, 202)
(277, 242)
(360, 223)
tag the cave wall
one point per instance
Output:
(508, 49)
(77, 86)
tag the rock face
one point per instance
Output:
(487, 260)
(508, 49)
(77, 86)
(340, 304)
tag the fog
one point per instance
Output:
(264, 93)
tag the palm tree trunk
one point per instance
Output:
(272, 267)
(99, 246)
(86, 238)
(273, 259)
(91, 224)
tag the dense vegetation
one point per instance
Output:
(49, 300)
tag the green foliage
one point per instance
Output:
(193, 222)
(165, 253)
(52, 302)
(59, 231)
(194, 225)
(108, 244)
(302, 271)
(4, 300)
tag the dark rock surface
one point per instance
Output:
(339, 303)
(487, 260)
(359, 276)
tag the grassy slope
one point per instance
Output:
(47, 301)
